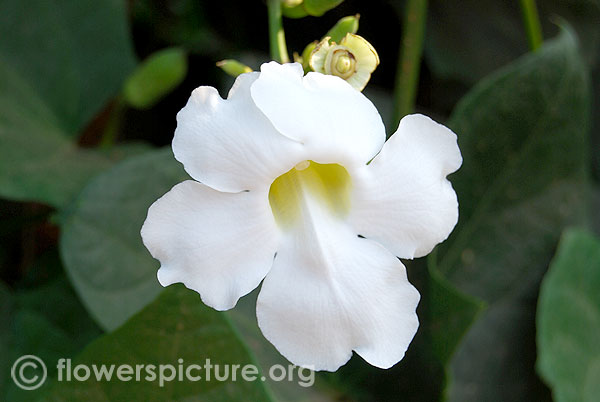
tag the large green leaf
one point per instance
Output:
(47, 321)
(469, 39)
(449, 312)
(522, 133)
(568, 319)
(101, 246)
(59, 64)
(175, 326)
(74, 53)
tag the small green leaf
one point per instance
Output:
(342, 27)
(568, 319)
(101, 246)
(177, 325)
(155, 77)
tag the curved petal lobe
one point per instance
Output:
(335, 122)
(402, 199)
(219, 244)
(229, 144)
(330, 292)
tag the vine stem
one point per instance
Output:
(111, 131)
(409, 59)
(532, 24)
(276, 34)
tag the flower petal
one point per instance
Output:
(363, 51)
(219, 244)
(333, 120)
(319, 54)
(229, 144)
(330, 292)
(402, 199)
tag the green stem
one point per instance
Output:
(409, 60)
(111, 131)
(276, 34)
(532, 23)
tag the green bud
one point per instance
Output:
(296, 11)
(302, 8)
(291, 3)
(233, 67)
(305, 59)
(342, 27)
(155, 77)
(317, 8)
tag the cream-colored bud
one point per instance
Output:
(354, 59)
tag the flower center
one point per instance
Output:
(341, 62)
(291, 193)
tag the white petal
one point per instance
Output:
(334, 121)
(230, 145)
(219, 244)
(403, 199)
(318, 56)
(330, 292)
(363, 51)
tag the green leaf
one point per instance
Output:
(75, 53)
(58, 304)
(155, 77)
(449, 312)
(47, 321)
(37, 161)
(100, 244)
(177, 325)
(62, 63)
(522, 132)
(454, 51)
(568, 319)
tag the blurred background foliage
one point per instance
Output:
(89, 91)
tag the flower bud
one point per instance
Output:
(304, 58)
(302, 8)
(354, 59)
(342, 27)
(156, 76)
(233, 67)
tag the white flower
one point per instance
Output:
(283, 190)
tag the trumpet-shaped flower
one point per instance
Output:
(293, 186)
